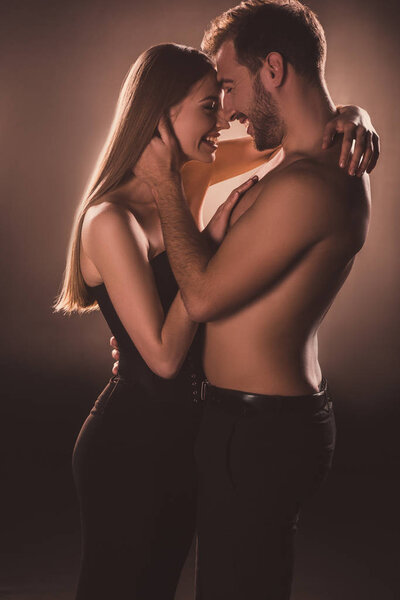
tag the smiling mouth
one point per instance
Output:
(244, 120)
(211, 141)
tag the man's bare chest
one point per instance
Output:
(248, 199)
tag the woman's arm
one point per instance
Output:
(232, 158)
(355, 124)
(113, 240)
(239, 155)
(213, 233)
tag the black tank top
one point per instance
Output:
(132, 367)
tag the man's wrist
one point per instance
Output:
(166, 188)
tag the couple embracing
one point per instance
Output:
(219, 421)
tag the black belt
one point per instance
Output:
(234, 400)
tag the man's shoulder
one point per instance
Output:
(320, 198)
(308, 181)
(294, 187)
(302, 172)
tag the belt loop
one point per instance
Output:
(203, 390)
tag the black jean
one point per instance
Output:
(136, 479)
(257, 463)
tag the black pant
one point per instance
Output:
(136, 480)
(257, 463)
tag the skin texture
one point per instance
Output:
(195, 118)
(232, 158)
(122, 233)
(130, 216)
(264, 117)
(290, 246)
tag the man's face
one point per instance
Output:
(245, 98)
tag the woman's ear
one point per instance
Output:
(172, 113)
(168, 122)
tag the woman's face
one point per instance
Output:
(197, 120)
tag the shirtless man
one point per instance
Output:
(268, 433)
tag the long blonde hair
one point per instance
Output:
(160, 78)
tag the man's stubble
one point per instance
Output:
(264, 116)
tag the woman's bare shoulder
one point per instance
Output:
(108, 220)
(107, 209)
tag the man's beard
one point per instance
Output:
(264, 116)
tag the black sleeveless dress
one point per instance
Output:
(134, 469)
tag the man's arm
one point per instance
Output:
(282, 226)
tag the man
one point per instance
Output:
(268, 433)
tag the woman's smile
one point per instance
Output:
(211, 141)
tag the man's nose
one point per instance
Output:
(225, 113)
(222, 120)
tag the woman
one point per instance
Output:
(133, 460)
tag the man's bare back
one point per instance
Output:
(269, 345)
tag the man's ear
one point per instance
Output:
(273, 70)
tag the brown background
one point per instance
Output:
(61, 68)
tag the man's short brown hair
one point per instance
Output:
(258, 27)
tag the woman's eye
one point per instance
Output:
(211, 107)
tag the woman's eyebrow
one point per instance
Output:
(216, 98)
